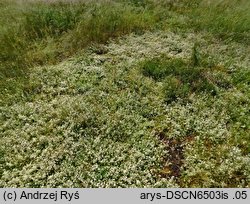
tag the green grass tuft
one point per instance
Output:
(182, 78)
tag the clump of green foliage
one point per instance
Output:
(182, 78)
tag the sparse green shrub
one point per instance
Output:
(180, 78)
(159, 68)
(154, 68)
(174, 89)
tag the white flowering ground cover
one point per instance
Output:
(95, 120)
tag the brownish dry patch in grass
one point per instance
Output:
(175, 160)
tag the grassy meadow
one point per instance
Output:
(124, 93)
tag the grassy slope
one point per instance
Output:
(96, 120)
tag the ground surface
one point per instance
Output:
(97, 120)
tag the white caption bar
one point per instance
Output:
(125, 196)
